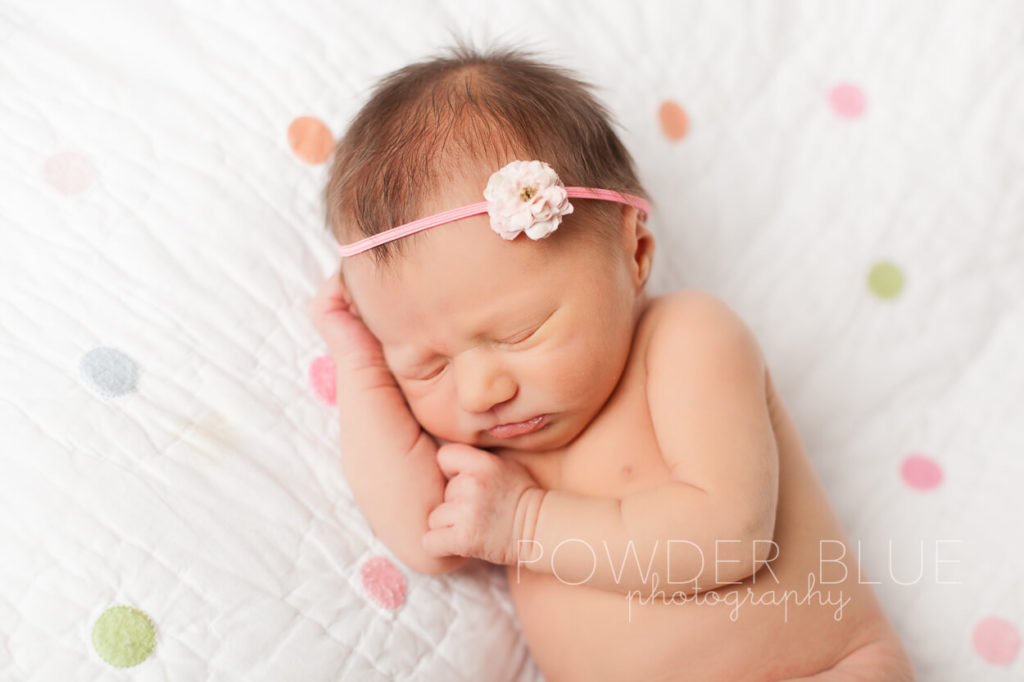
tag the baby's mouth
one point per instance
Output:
(518, 428)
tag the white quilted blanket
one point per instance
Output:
(849, 176)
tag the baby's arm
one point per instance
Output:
(706, 392)
(389, 460)
(391, 465)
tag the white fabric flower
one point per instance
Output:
(526, 196)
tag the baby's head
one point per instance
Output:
(479, 330)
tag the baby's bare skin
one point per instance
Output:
(578, 326)
(577, 632)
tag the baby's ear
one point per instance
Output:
(640, 242)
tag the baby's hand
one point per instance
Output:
(477, 516)
(349, 341)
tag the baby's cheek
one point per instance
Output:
(580, 365)
(431, 409)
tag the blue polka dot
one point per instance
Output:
(108, 371)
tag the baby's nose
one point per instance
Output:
(482, 381)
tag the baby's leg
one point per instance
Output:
(883, 660)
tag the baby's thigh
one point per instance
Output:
(884, 660)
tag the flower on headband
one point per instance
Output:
(526, 196)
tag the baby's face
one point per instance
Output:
(480, 331)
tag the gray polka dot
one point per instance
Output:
(108, 371)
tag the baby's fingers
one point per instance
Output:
(443, 516)
(330, 300)
(444, 541)
(337, 321)
(330, 296)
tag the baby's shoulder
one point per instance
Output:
(696, 326)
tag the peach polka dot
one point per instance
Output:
(69, 172)
(674, 121)
(921, 472)
(383, 582)
(996, 640)
(847, 100)
(322, 373)
(310, 139)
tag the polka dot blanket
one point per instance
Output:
(847, 175)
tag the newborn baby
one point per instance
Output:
(509, 392)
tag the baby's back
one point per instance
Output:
(782, 621)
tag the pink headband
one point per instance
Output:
(524, 196)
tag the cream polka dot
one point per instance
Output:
(69, 172)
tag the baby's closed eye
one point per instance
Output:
(433, 373)
(511, 341)
(518, 338)
(427, 374)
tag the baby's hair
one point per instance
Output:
(424, 120)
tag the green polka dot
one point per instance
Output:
(885, 280)
(123, 636)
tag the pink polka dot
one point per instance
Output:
(383, 582)
(996, 640)
(847, 100)
(321, 377)
(921, 472)
(69, 172)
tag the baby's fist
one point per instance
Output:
(478, 515)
